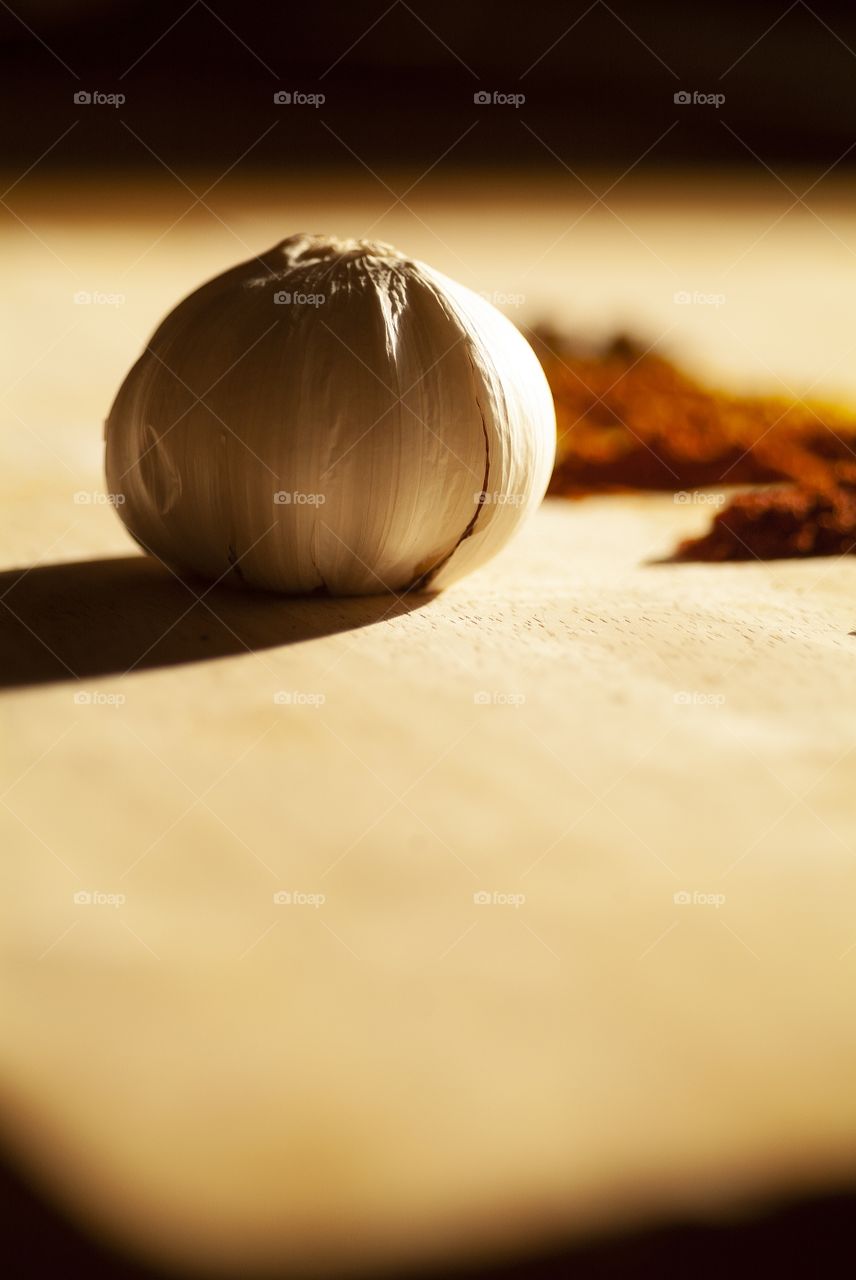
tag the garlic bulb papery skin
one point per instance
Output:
(331, 416)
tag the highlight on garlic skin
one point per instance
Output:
(331, 417)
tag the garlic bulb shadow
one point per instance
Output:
(107, 617)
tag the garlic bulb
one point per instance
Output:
(332, 416)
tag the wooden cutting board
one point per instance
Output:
(565, 861)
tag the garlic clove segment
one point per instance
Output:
(332, 416)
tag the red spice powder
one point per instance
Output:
(779, 522)
(629, 419)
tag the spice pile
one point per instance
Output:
(629, 419)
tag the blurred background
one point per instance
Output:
(710, 155)
(399, 81)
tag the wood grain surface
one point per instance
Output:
(570, 852)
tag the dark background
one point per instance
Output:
(812, 1238)
(399, 79)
